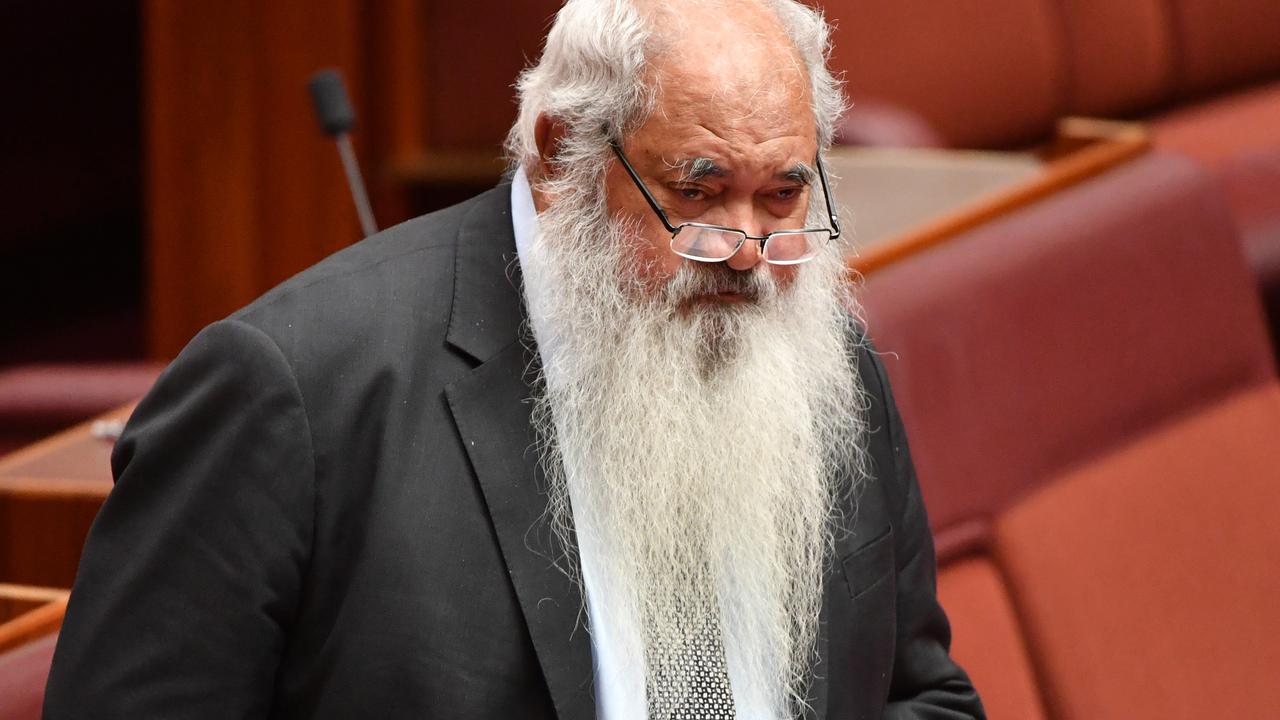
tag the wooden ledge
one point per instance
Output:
(1082, 148)
(30, 613)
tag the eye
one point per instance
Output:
(688, 192)
(789, 193)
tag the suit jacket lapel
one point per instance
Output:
(492, 410)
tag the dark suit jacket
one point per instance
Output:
(329, 507)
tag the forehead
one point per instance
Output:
(735, 92)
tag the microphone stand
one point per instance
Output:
(337, 117)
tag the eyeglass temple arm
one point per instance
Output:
(648, 197)
(826, 194)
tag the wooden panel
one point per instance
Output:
(49, 496)
(397, 93)
(451, 73)
(472, 63)
(44, 537)
(242, 189)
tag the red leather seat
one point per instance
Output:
(998, 73)
(1147, 578)
(1065, 330)
(23, 673)
(1090, 376)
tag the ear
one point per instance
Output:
(548, 132)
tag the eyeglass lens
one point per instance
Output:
(717, 245)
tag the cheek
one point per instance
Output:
(652, 245)
(655, 264)
(783, 275)
(657, 259)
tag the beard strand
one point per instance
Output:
(702, 450)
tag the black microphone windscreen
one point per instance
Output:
(333, 108)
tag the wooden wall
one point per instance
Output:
(242, 190)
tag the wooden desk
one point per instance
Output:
(904, 201)
(49, 495)
(27, 613)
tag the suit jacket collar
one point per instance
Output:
(488, 310)
(492, 407)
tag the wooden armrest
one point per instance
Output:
(28, 612)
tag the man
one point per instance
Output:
(554, 452)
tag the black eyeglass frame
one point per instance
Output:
(833, 232)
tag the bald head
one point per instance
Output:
(605, 61)
(731, 62)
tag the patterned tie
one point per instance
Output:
(691, 681)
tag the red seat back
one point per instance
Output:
(1147, 578)
(1038, 341)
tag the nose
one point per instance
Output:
(747, 257)
(746, 216)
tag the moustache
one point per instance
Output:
(698, 281)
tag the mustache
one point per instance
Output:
(694, 280)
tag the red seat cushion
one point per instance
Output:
(23, 673)
(986, 640)
(1147, 580)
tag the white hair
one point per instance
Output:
(592, 76)
(704, 452)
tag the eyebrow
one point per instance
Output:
(695, 169)
(698, 168)
(801, 173)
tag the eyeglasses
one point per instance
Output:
(714, 243)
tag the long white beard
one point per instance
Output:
(705, 446)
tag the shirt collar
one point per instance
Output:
(524, 217)
(531, 254)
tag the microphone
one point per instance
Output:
(337, 118)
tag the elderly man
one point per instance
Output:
(604, 441)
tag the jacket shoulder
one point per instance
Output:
(417, 251)
(379, 307)
(400, 278)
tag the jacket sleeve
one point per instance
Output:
(926, 682)
(192, 571)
